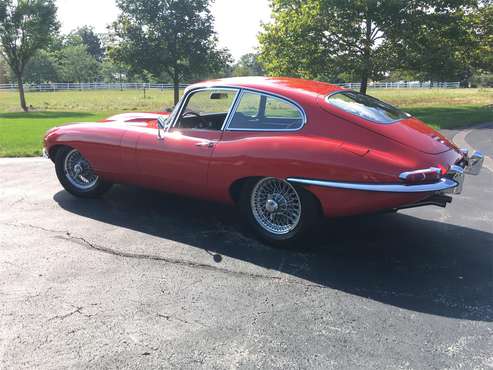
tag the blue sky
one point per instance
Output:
(237, 21)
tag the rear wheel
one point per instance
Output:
(279, 213)
(76, 174)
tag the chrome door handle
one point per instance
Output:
(207, 143)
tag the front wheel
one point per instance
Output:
(76, 174)
(279, 213)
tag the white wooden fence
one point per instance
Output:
(61, 86)
(141, 86)
(404, 85)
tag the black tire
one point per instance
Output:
(309, 218)
(96, 190)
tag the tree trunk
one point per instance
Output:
(364, 81)
(176, 89)
(366, 57)
(22, 97)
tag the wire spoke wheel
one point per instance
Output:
(78, 171)
(276, 206)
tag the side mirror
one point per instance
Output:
(162, 125)
(169, 110)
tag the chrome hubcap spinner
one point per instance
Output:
(276, 206)
(78, 171)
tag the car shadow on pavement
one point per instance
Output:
(400, 260)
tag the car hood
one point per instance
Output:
(147, 118)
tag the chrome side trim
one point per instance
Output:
(441, 185)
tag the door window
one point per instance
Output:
(261, 112)
(206, 109)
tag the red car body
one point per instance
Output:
(350, 164)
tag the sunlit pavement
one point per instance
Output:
(142, 279)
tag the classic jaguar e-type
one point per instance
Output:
(287, 151)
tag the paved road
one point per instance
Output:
(142, 279)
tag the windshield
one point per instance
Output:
(366, 107)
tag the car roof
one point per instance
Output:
(284, 86)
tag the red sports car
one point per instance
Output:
(287, 151)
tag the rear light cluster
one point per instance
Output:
(428, 175)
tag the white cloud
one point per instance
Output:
(237, 21)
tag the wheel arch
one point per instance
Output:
(52, 152)
(237, 186)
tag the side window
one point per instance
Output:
(206, 109)
(263, 112)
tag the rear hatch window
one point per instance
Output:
(366, 107)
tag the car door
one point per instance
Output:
(178, 161)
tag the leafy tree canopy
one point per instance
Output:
(77, 65)
(43, 67)
(248, 65)
(327, 39)
(25, 27)
(172, 36)
(86, 36)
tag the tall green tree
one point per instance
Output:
(440, 42)
(77, 65)
(88, 37)
(43, 67)
(325, 39)
(172, 36)
(3, 71)
(25, 27)
(248, 65)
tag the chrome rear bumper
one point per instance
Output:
(470, 165)
(474, 164)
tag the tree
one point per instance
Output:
(439, 44)
(43, 67)
(114, 72)
(86, 36)
(326, 39)
(248, 65)
(25, 27)
(3, 71)
(172, 36)
(77, 65)
(482, 28)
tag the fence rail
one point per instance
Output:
(404, 85)
(61, 86)
(142, 86)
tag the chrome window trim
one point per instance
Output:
(190, 92)
(366, 119)
(232, 111)
(443, 184)
(268, 94)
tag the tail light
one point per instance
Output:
(428, 175)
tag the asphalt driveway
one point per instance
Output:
(143, 279)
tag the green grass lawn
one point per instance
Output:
(21, 133)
